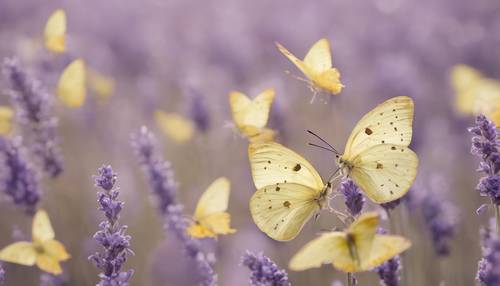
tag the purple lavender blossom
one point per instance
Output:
(164, 188)
(353, 197)
(488, 272)
(391, 205)
(111, 235)
(388, 272)
(34, 110)
(264, 271)
(438, 216)
(2, 275)
(47, 279)
(18, 179)
(198, 109)
(486, 146)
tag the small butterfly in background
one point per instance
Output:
(474, 93)
(44, 250)
(175, 126)
(71, 88)
(6, 116)
(251, 116)
(101, 84)
(289, 190)
(376, 155)
(55, 32)
(210, 216)
(357, 249)
(317, 67)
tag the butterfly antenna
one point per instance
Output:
(297, 77)
(324, 148)
(323, 140)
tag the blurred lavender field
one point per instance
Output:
(185, 56)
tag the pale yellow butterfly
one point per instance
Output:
(317, 67)
(102, 85)
(377, 156)
(357, 249)
(55, 32)
(175, 126)
(71, 88)
(474, 93)
(44, 250)
(6, 115)
(289, 190)
(210, 216)
(251, 116)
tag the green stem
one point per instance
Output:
(497, 216)
(349, 279)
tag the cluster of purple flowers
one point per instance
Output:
(47, 279)
(353, 198)
(18, 179)
(163, 186)
(438, 216)
(34, 110)
(485, 145)
(264, 271)
(388, 272)
(488, 267)
(2, 275)
(111, 235)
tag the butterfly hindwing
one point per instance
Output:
(175, 126)
(385, 247)
(19, 252)
(281, 210)
(71, 88)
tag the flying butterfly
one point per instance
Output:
(357, 249)
(251, 116)
(6, 116)
(55, 32)
(474, 93)
(71, 88)
(44, 250)
(210, 216)
(317, 67)
(289, 190)
(376, 155)
(175, 126)
(102, 85)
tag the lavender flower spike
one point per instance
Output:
(488, 272)
(485, 144)
(2, 275)
(47, 279)
(264, 271)
(111, 235)
(34, 110)
(388, 272)
(164, 189)
(439, 216)
(17, 178)
(353, 197)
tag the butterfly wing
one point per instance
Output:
(175, 126)
(463, 80)
(55, 31)
(363, 231)
(272, 164)
(385, 172)
(48, 264)
(214, 199)
(55, 249)
(319, 57)
(240, 105)
(6, 115)
(388, 123)
(218, 223)
(259, 135)
(281, 210)
(42, 228)
(71, 88)
(329, 80)
(328, 248)
(384, 248)
(19, 252)
(298, 63)
(254, 112)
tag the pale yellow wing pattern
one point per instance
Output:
(6, 116)
(259, 135)
(464, 79)
(42, 228)
(23, 253)
(363, 231)
(48, 264)
(328, 248)
(214, 199)
(300, 64)
(385, 172)
(55, 32)
(254, 112)
(55, 249)
(282, 209)
(71, 88)
(272, 164)
(388, 123)
(218, 223)
(319, 57)
(384, 248)
(175, 126)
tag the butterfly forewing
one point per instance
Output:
(362, 231)
(281, 210)
(319, 57)
(214, 199)
(384, 248)
(388, 123)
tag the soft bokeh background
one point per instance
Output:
(160, 52)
